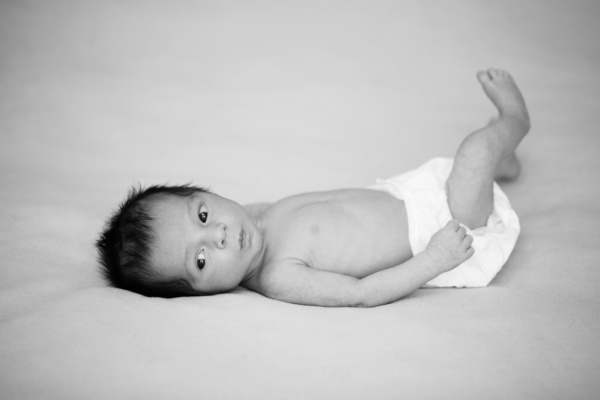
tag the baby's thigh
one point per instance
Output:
(470, 194)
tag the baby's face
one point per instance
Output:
(210, 241)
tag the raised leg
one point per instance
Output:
(488, 153)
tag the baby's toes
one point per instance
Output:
(500, 75)
(496, 73)
(483, 77)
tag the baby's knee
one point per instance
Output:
(476, 153)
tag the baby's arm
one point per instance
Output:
(297, 283)
(447, 249)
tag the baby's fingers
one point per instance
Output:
(466, 244)
(467, 241)
(453, 225)
(469, 252)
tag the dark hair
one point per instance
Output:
(125, 243)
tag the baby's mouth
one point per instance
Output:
(241, 239)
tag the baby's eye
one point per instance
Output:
(203, 214)
(201, 260)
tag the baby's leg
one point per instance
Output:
(488, 153)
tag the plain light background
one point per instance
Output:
(260, 100)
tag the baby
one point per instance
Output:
(445, 224)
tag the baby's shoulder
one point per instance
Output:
(256, 209)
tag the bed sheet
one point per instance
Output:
(260, 100)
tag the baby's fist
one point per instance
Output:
(450, 246)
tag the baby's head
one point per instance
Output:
(171, 241)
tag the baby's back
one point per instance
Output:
(354, 232)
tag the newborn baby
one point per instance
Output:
(445, 224)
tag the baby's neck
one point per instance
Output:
(255, 211)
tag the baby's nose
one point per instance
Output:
(220, 235)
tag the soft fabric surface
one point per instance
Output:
(261, 100)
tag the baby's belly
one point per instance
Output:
(354, 233)
(361, 257)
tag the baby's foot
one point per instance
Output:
(504, 93)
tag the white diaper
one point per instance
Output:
(424, 193)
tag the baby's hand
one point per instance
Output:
(450, 246)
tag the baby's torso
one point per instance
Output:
(354, 232)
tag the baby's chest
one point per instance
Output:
(351, 239)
